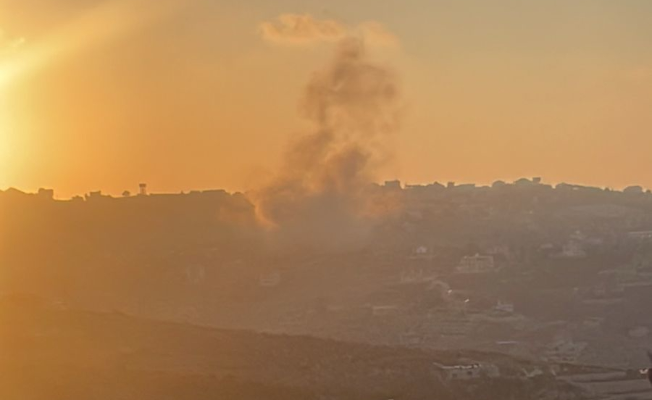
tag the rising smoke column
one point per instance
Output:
(322, 195)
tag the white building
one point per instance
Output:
(504, 307)
(476, 264)
(640, 235)
(468, 372)
(573, 249)
(421, 250)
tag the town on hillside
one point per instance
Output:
(512, 281)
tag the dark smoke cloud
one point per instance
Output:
(323, 196)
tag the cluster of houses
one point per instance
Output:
(467, 372)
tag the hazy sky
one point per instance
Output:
(106, 94)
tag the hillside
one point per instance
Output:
(60, 354)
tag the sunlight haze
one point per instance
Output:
(93, 100)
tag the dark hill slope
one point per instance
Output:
(60, 354)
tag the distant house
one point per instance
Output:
(640, 235)
(606, 289)
(476, 264)
(633, 190)
(572, 249)
(46, 194)
(504, 307)
(528, 182)
(393, 185)
(97, 195)
(533, 373)
(468, 372)
(421, 250)
(593, 322)
(421, 253)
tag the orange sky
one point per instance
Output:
(186, 95)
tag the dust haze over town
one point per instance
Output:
(325, 277)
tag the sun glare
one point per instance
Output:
(4, 152)
(110, 20)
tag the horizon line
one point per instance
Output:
(396, 183)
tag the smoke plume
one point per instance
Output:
(323, 195)
(301, 29)
(304, 29)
